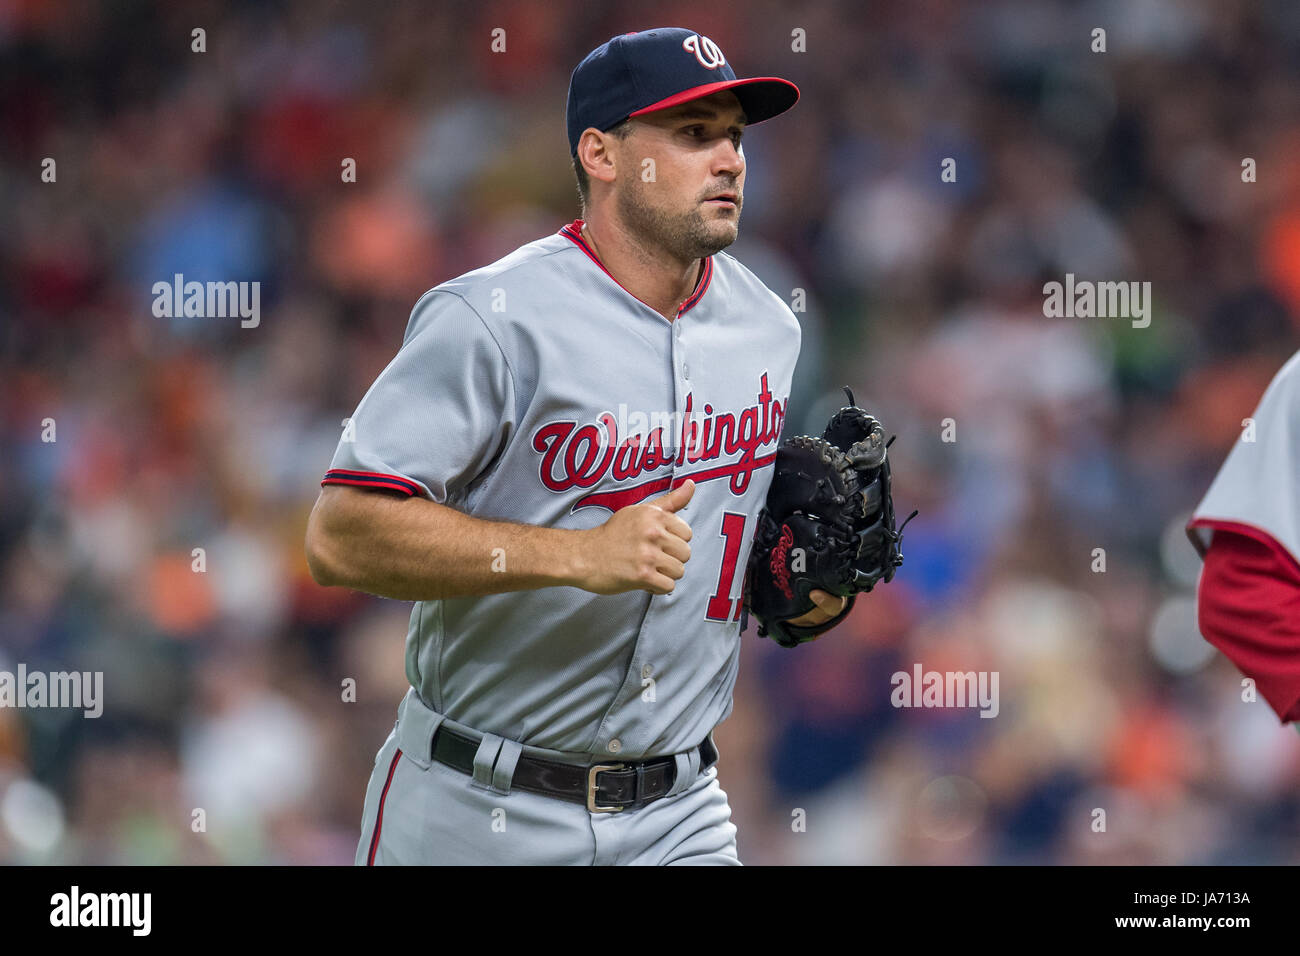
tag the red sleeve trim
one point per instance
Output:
(1249, 531)
(370, 479)
(1248, 606)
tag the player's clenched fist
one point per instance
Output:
(641, 547)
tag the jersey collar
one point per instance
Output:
(573, 232)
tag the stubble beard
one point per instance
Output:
(685, 236)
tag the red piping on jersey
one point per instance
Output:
(369, 479)
(574, 231)
(379, 817)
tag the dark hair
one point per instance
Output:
(618, 131)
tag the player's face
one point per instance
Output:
(697, 155)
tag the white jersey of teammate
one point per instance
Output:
(538, 390)
(1247, 530)
(1258, 488)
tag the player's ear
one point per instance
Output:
(597, 153)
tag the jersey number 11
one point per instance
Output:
(722, 606)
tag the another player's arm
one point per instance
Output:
(1248, 606)
(414, 549)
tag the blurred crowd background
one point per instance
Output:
(223, 688)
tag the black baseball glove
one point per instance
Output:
(828, 524)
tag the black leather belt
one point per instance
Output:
(602, 788)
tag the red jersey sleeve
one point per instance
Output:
(1248, 603)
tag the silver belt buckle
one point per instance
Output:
(591, 787)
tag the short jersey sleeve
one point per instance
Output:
(1259, 484)
(438, 415)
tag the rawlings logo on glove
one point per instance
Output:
(780, 573)
(828, 525)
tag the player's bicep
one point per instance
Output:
(438, 415)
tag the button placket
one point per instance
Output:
(681, 386)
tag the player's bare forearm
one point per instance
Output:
(413, 549)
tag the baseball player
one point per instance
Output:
(563, 467)
(1247, 530)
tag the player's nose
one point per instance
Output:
(728, 159)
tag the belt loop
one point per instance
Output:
(484, 759)
(416, 726)
(688, 767)
(638, 785)
(504, 772)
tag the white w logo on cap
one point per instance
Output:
(705, 50)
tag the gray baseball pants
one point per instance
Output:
(420, 811)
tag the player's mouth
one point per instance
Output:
(725, 200)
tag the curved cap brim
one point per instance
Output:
(761, 97)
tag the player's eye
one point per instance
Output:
(702, 132)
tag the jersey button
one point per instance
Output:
(614, 746)
(686, 371)
(647, 670)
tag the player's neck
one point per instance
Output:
(658, 279)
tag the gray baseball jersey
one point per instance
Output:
(538, 390)
(1258, 487)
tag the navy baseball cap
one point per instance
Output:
(650, 70)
